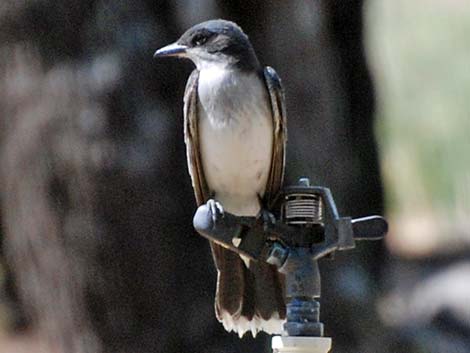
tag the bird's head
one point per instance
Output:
(213, 43)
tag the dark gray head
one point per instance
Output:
(214, 43)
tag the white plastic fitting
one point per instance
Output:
(291, 344)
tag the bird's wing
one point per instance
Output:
(276, 174)
(191, 136)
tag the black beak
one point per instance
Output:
(174, 49)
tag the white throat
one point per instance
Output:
(217, 78)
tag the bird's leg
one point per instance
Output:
(266, 217)
(216, 209)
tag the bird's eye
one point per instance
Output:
(199, 39)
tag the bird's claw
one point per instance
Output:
(267, 219)
(216, 209)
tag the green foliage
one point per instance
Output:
(420, 55)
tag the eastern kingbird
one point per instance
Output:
(235, 134)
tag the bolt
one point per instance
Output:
(277, 255)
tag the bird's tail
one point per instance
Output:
(248, 298)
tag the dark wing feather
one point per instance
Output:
(276, 175)
(191, 138)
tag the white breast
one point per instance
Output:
(236, 135)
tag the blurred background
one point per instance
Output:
(98, 252)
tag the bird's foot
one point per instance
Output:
(216, 210)
(267, 219)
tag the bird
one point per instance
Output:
(235, 134)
